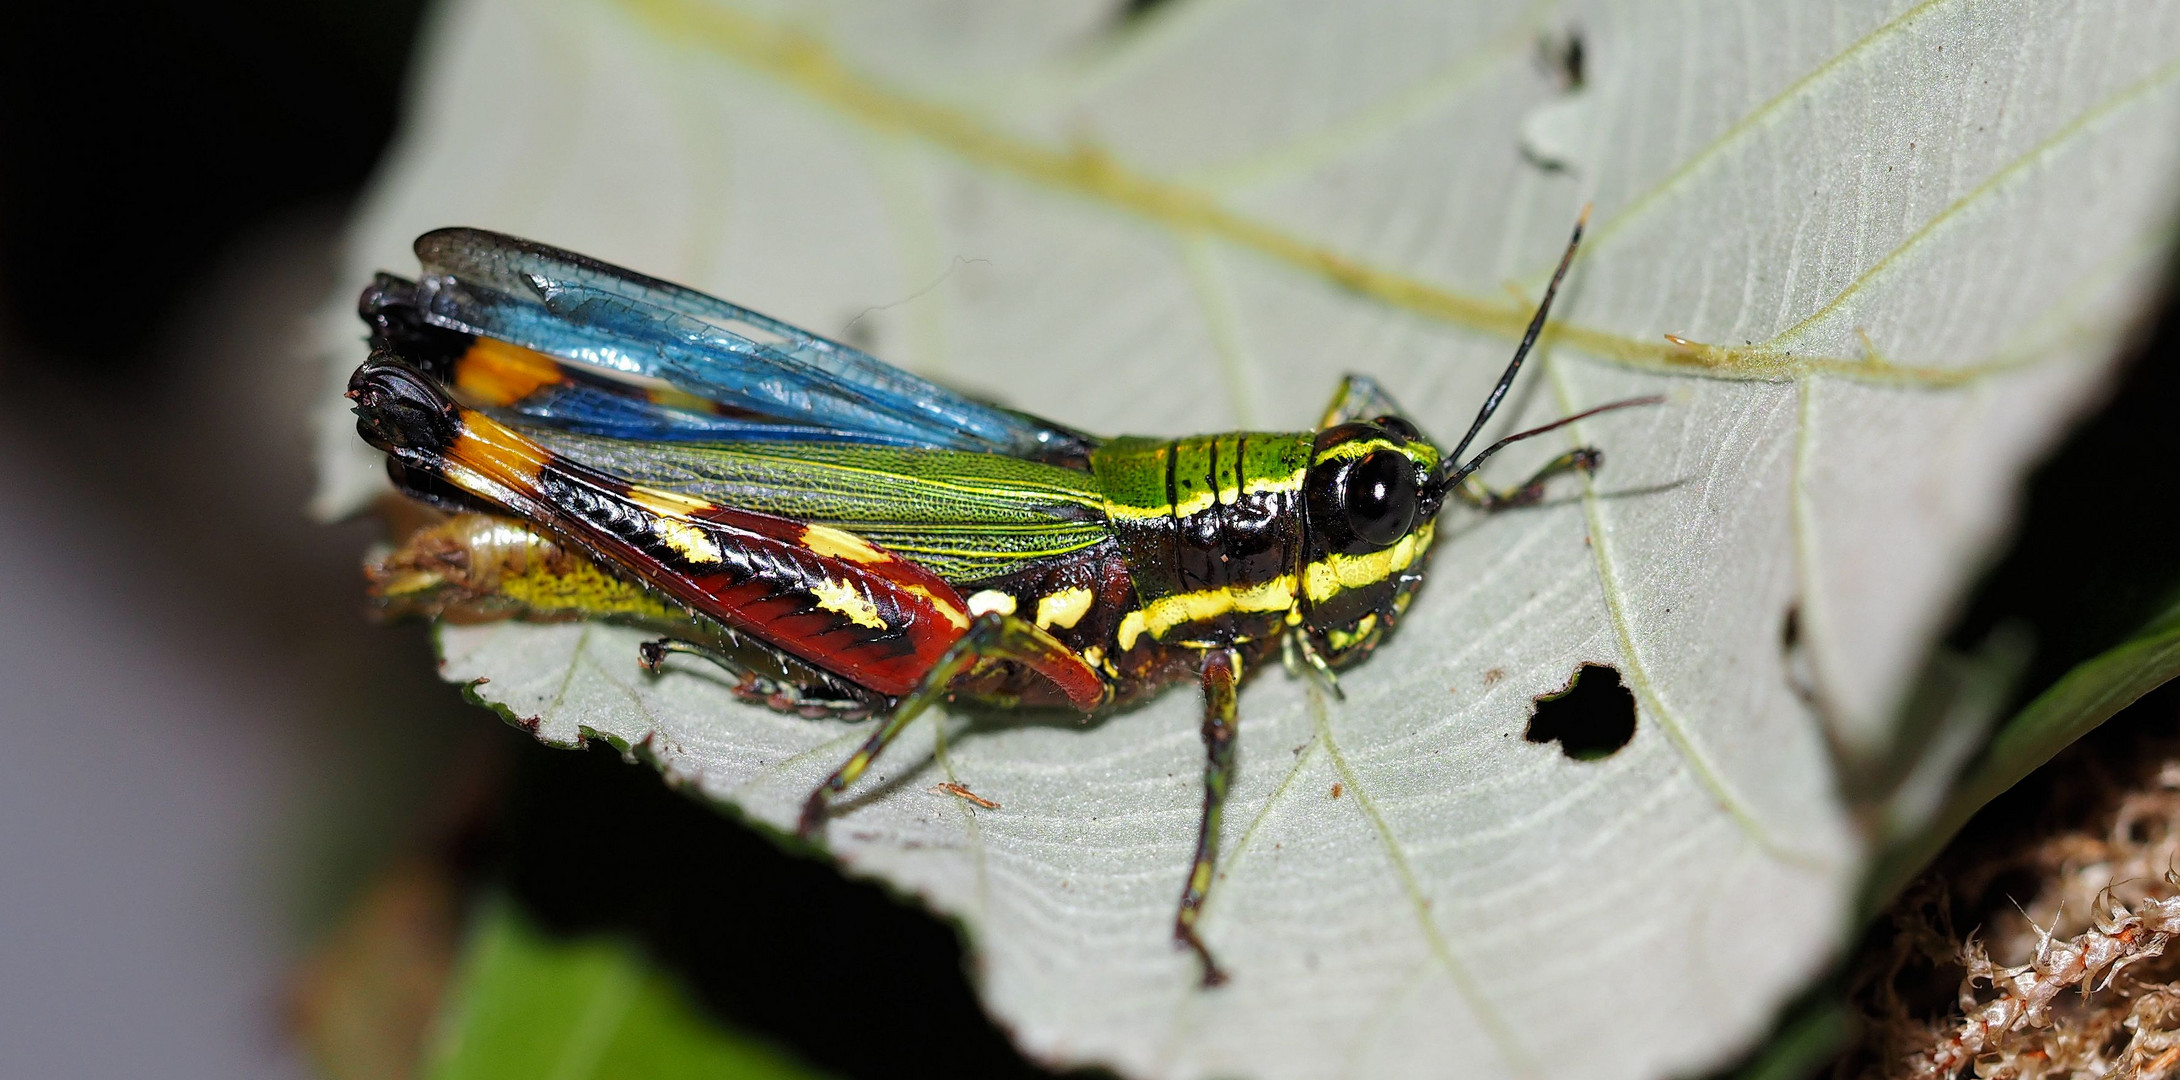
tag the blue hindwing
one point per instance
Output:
(768, 380)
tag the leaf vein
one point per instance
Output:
(1756, 119)
(1501, 1033)
(803, 64)
(1638, 674)
(2082, 124)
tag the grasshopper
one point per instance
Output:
(846, 539)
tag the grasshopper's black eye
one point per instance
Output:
(1380, 501)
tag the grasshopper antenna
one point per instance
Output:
(1588, 459)
(1452, 463)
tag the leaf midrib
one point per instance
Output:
(804, 65)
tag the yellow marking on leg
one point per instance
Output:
(840, 544)
(841, 598)
(668, 503)
(693, 543)
(991, 600)
(482, 486)
(1063, 609)
(489, 446)
(672, 526)
(852, 769)
(1093, 656)
(946, 608)
(679, 399)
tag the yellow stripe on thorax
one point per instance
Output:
(1168, 613)
(1205, 500)
(1330, 576)
(1321, 581)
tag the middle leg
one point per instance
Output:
(991, 637)
(1221, 678)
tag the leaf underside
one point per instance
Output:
(1901, 240)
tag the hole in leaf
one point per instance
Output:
(1562, 55)
(1590, 719)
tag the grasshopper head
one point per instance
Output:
(1370, 497)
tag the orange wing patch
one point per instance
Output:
(496, 373)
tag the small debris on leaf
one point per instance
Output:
(961, 791)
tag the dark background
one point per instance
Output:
(211, 752)
(143, 138)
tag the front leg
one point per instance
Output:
(1581, 459)
(1221, 677)
(1359, 398)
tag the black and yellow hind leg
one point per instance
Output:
(991, 636)
(1222, 680)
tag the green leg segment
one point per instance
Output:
(1303, 659)
(1581, 459)
(991, 637)
(1222, 677)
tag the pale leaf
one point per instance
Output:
(1908, 240)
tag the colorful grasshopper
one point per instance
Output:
(845, 538)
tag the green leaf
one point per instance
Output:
(526, 1005)
(2083, 698)
(1903, 238)
(1810, 1036)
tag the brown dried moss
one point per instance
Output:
(2037, 947)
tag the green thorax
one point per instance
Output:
(1211, 526)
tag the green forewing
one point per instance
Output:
(967, 516)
